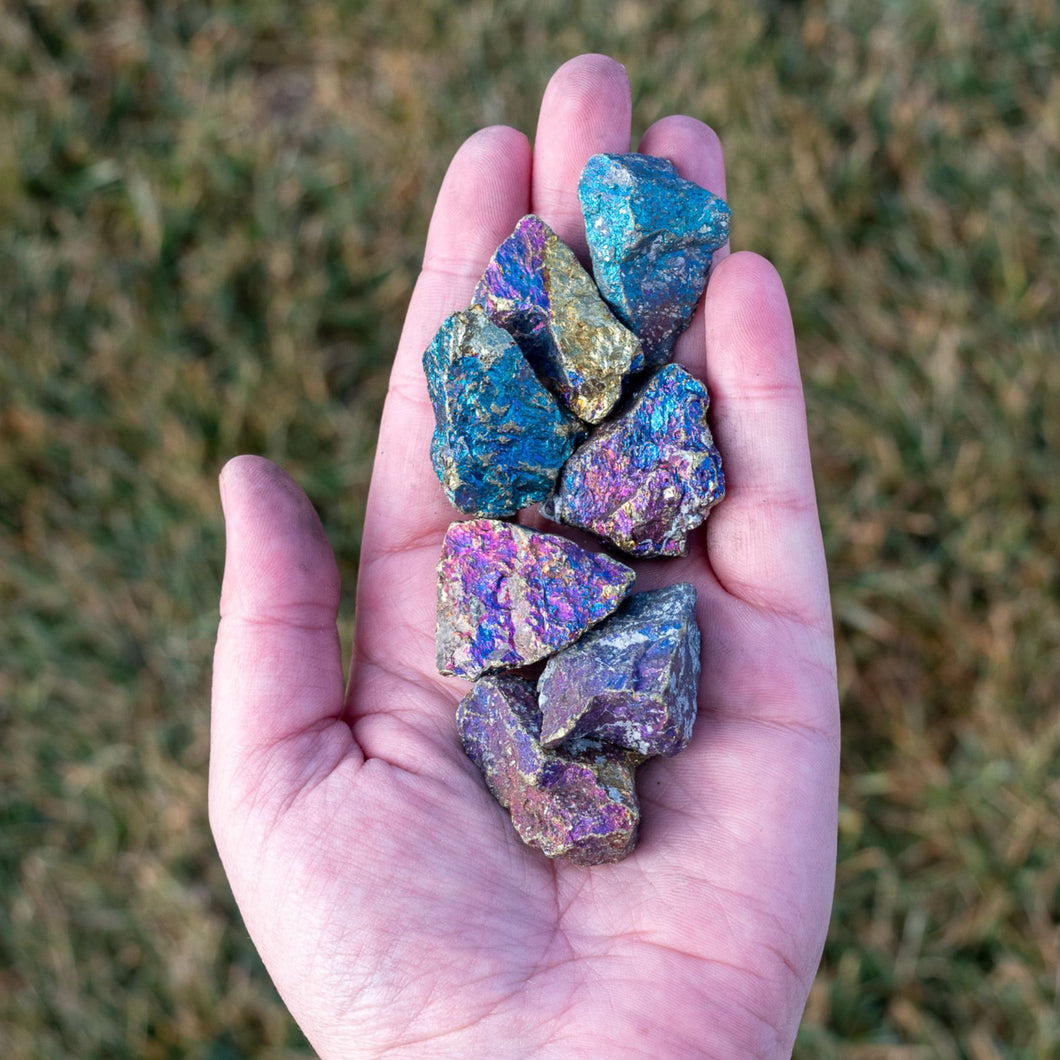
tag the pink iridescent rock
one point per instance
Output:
(509, 596)
(577, 802)
(648, 476)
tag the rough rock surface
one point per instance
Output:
(651, 236)
(632, 681)
(536, 289)
(577, 803)
(509, 596)
(500, 436)
(649, 475)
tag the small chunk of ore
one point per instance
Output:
(500, 436)
(631, 681)
(577, 802)
(509, 596)
(652, 237)
(649, 475)
(536, 289)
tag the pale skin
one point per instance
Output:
(390, 899)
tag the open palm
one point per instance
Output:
(387, 892)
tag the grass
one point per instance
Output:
(211, 216)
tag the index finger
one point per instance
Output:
(483, 195)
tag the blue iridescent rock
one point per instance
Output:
(649, 475)
(651, 237)
(509, 596)
(631, 681)
(577, 802)
(536, 289)
(500, 437)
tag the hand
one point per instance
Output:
(388, 895)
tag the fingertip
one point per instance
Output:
(277, 556)
(747, 267)
(249, 469)
(747, 312)
(244, 469)
(586, 109)
(484, 192)
(693, 147)
(481, 150)
(589, 72)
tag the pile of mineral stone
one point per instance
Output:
(556, 387)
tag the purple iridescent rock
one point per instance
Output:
(500, 437)
(648, 476)
(499, 725)
(651, 236)
(508, 596)
(535, 288)
(632, 681)
(577, 802)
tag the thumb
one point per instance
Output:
(278, 679)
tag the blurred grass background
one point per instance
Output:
(211, 216)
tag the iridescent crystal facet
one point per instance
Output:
(631, 681)
(509, 596)
(649, 475)
(500, 436)
(536, 289)
(652, 236)
(577, 802)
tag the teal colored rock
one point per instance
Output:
(500, 437)
(652, 236)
